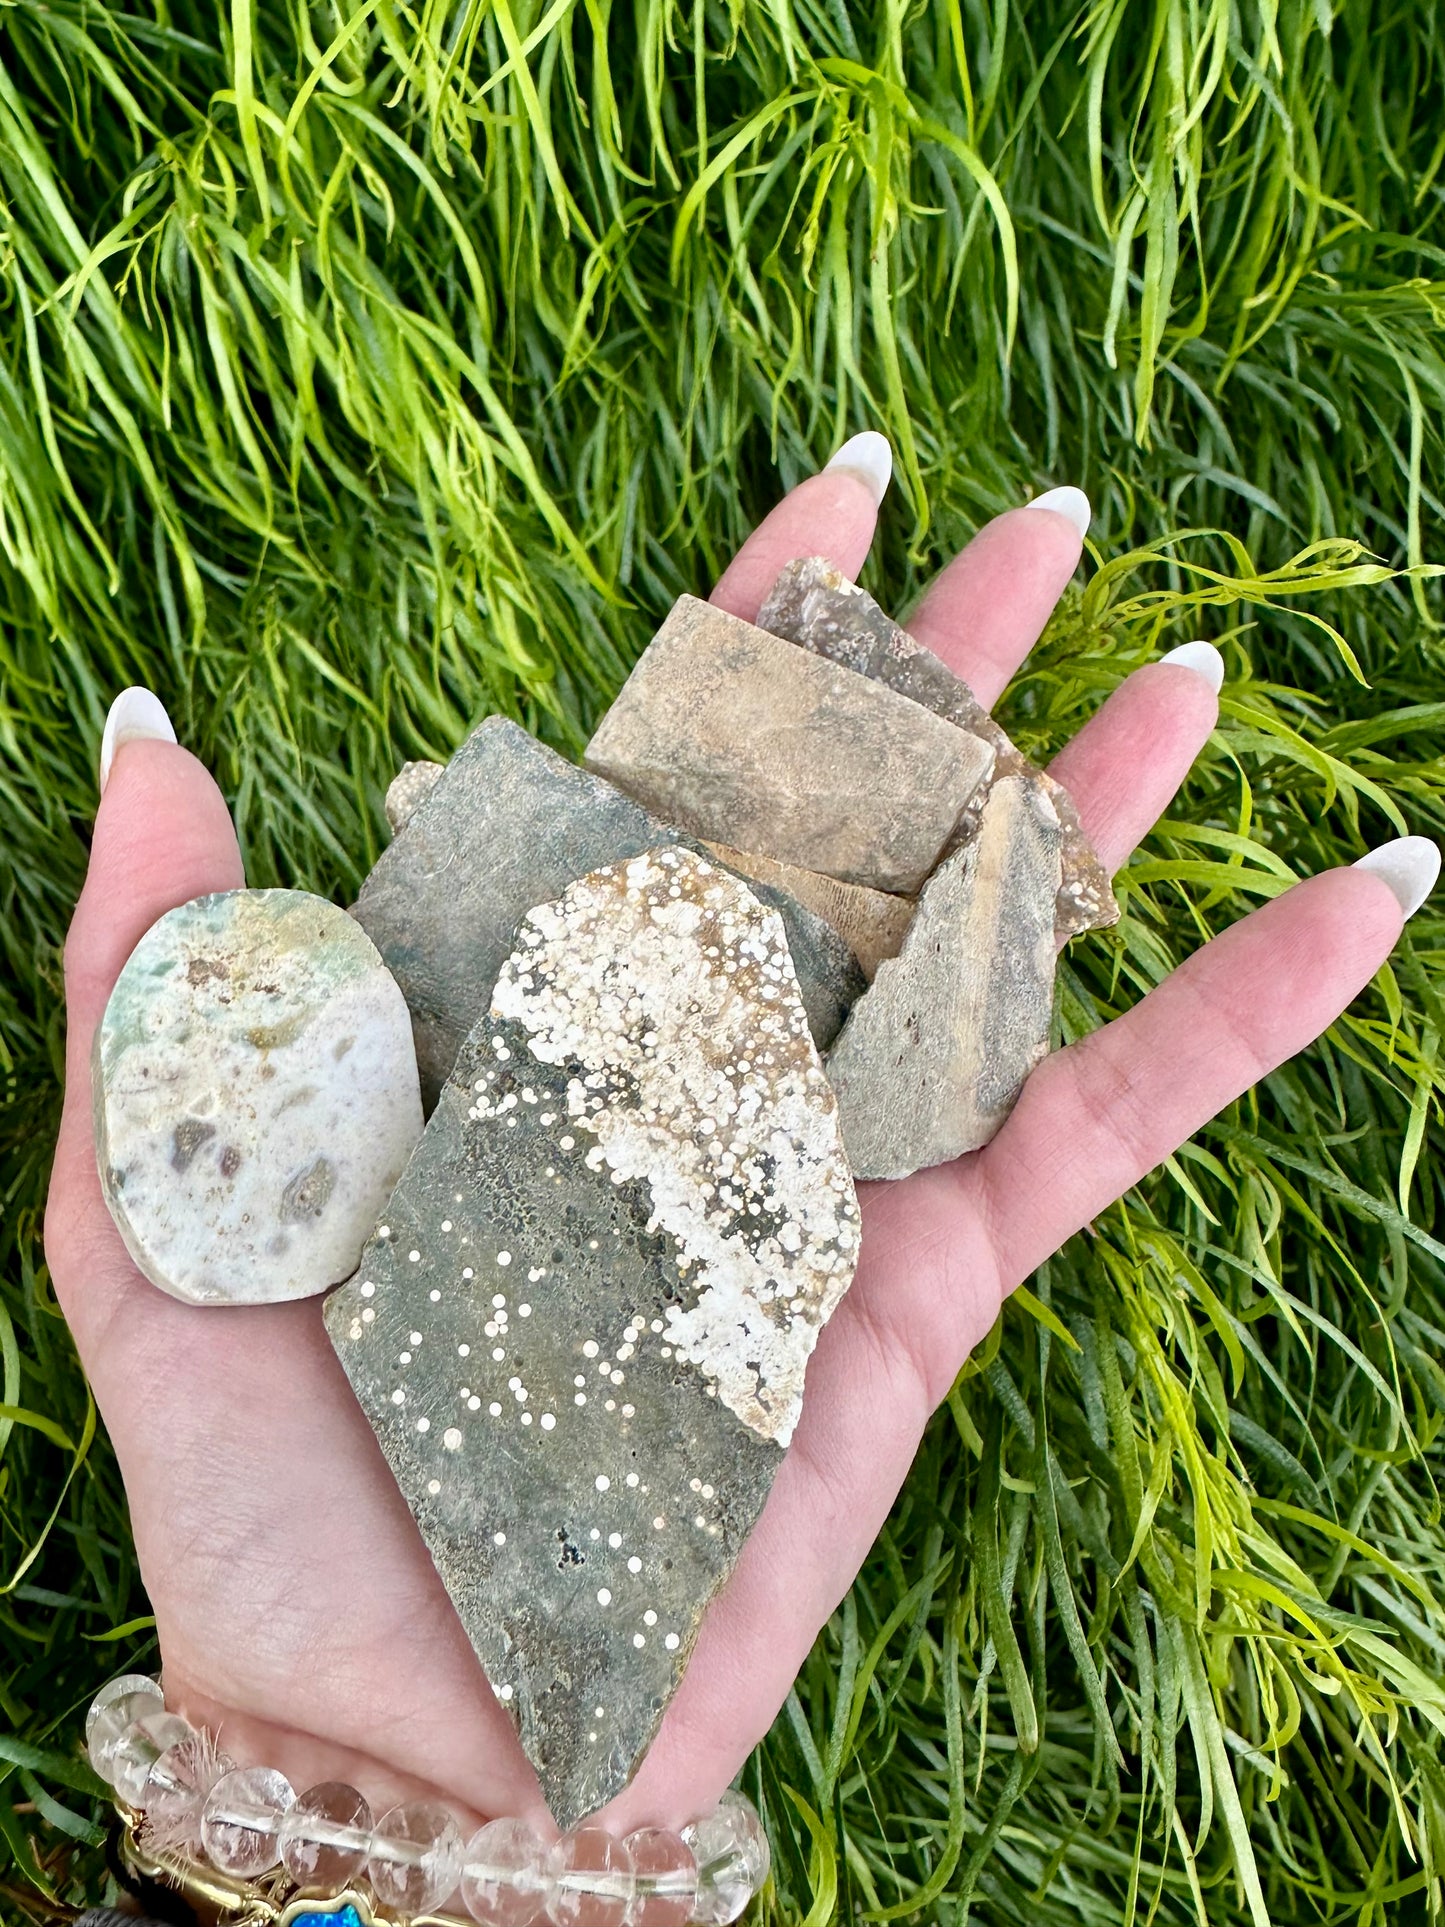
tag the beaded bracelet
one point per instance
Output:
(319, 1859)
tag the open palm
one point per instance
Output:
(296, 1607)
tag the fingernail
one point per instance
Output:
(869, 457)
(1410, 865)
(1203, 658)
(135, 715)
(1071, 503)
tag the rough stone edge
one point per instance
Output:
(824, 934)
(1082, 867)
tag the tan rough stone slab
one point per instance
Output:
(870, 922)
(815, 605)
(932, 1059)
(744, 739)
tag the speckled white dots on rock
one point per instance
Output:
(716, 1144)
(640, 1129)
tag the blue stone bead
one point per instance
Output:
(346, 1916)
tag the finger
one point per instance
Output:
(987, 608)
(1094, 1118)
(162, 836)
(1126, 763)
(831, 514)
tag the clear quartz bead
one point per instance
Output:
(139, 1747)
(732, 1856)
(416, 1855)
(120, 1688)
(326, 1835)
(112, 1710)
(666, 1877)
(595, 1885)
(176, 1790)
(241, 1819)
(505, 1882)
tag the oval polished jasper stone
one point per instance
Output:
(256, 1097)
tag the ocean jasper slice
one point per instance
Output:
(817, 607)
(256, 1097)
(933, 1059)
(744, 739)
(508, 824)
(581, 1334)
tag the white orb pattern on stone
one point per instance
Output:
(732, 1125)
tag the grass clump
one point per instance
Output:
(365, 367)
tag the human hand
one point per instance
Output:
(296, 1608)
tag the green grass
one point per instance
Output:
(367, 366)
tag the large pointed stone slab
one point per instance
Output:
(255, 1096)
(933, 1058)
(508, 824)
(815, 605)
(727, 731)
(582, 1332)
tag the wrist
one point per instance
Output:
(308, 1759)
(241, 1844)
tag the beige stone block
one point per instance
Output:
(815, 605)
(744, 739)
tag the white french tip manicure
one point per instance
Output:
(1411, 867)
(135, 715)
(870, 458)
(1203, 658)
(1071, 503)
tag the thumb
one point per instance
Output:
(162, 836)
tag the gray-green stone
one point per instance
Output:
(932, 1060)
(582, 1332)
(509, 824)
(815, 605)
(255, 1095)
